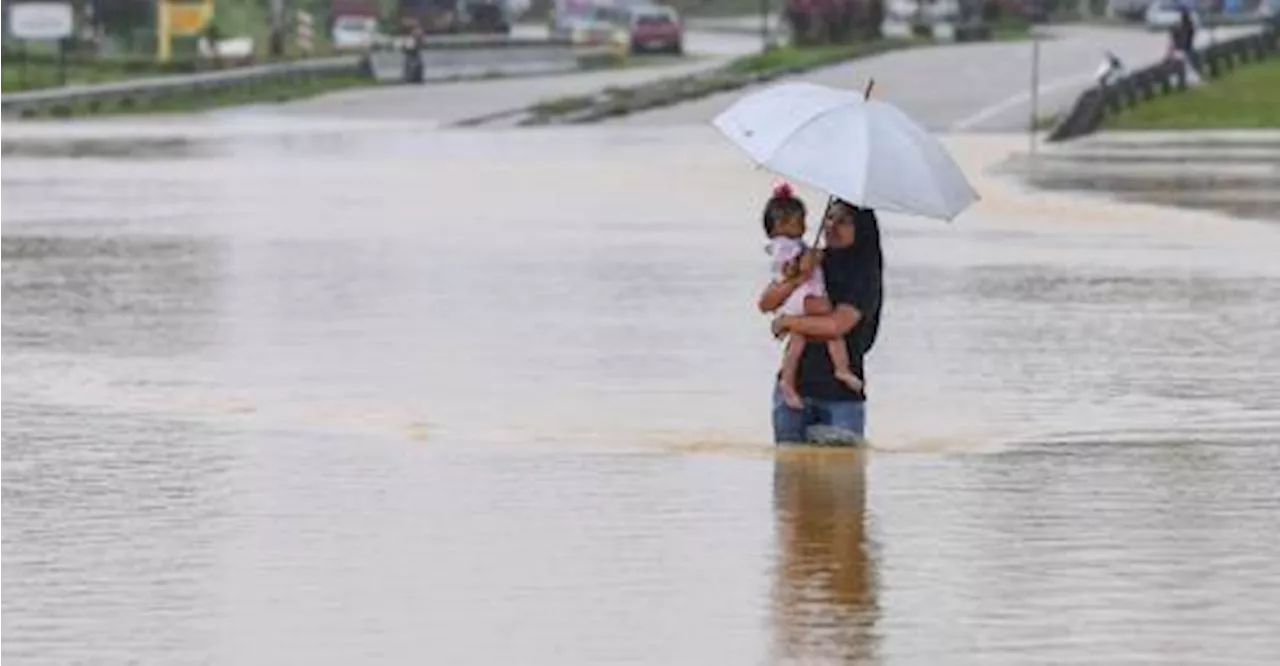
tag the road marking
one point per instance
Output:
(1019, 99)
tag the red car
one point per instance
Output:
(655, 28)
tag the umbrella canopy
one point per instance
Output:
(866, 152)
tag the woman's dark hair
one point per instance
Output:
(867, 239)
(869, 258)
(871, 261)
(782, 205)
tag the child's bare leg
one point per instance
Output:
(817, 305)
(790, 367)
(840, 364)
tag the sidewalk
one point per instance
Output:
(1232, 171)
(1158, 139)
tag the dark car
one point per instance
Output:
(655, 28)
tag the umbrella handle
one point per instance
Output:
(822, 226)
(866, 94)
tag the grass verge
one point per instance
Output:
(1247, 97)
(265, 93)
(787, 58)
(36, 74)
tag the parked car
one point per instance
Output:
(354, 33)
(655, 28)
(593, 25)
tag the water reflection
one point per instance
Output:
(824, 586)
(135, 295)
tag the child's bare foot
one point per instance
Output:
(789, 396)
(849, 379)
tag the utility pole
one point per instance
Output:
(764, 25)
(164, 44)
(1035, 95)
(276, 45)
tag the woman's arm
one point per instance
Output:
(777, 293)
(819, 327)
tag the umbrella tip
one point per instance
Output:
(866, 93)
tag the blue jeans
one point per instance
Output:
(832, 422)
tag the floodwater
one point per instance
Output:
(326, 394)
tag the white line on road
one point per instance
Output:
(1017, 100)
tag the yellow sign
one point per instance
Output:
(189, 20)
(182, 19)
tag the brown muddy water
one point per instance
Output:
(327, 394)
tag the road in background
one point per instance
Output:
(454, 102)
(973, 87)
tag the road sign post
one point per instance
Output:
(43, 21)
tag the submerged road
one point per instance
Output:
(973, 87)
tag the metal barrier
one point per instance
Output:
(1163, 78)
(443, 58)
(457, 57)
(137, 92)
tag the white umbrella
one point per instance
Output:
(866, 152)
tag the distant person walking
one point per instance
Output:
(414, 69)
(1184, 38)
(1182, 45)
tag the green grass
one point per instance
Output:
(809, 57)
(266, 93)
(1010, 29)
(43, 73)
(1245, 97)
(559, 106)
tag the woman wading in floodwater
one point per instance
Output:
(852, 266)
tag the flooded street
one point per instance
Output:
(321, 393)
(1237, 173)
